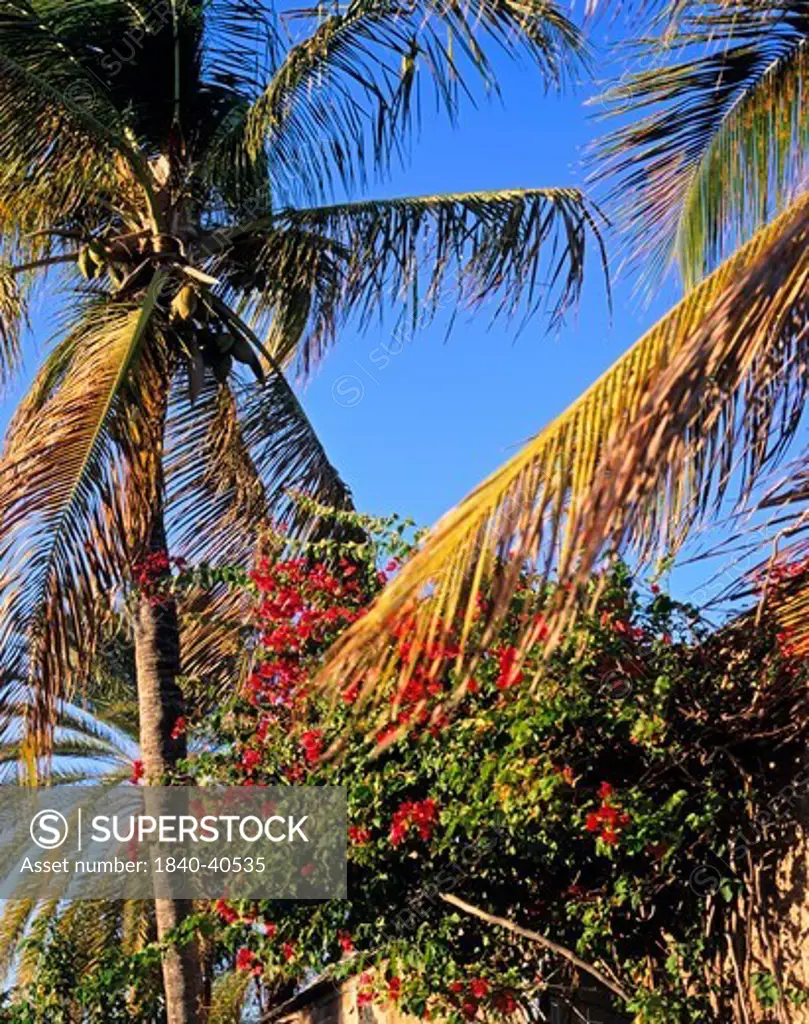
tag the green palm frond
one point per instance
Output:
(631, 465)
(86, 747)
(715, 143)
(518, 250)
(42, 917)
(346, 96)
(60, 131)
(56, 469)
(94, 743)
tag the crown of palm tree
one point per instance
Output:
(177, 163)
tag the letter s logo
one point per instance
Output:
(49, 829)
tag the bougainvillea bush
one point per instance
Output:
(629, 809)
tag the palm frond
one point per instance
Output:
(137, 923)
(44, 913)
(632, 464)
(243, 44)
(234, 459)
(15, 917)
(228, 996)
(518, 250)
(345, 98)
(60, 132)
(722, 147)
(56, 470)
(774, 537)
(12, 319)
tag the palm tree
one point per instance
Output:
(177, 164)
(708, 175)
(86, 748)
(95, 743)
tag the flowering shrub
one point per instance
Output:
(600, 811)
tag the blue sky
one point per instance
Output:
(417, 432)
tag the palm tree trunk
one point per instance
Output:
(160, 702)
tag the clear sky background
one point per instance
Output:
(416, 435)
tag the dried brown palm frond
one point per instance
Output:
(12, 319)
(632, 464)
(770, 555)
(55, 473)
(233, 459)
(14, 920)
(228, 997)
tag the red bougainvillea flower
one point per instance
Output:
(469, 1007)
(179, 728)
(226, 912)
(137, 772)
(312, 743)
(394, 988)
(244, 959)
(346, 942)
(359, 836)
(509, 675)
(608, 819)
(295, 772)
(250, 759)
(456, 987)
(505, 1002)
(289, 951)
(479, 988)
(365, 992)
(421, 814)
(270, 929)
